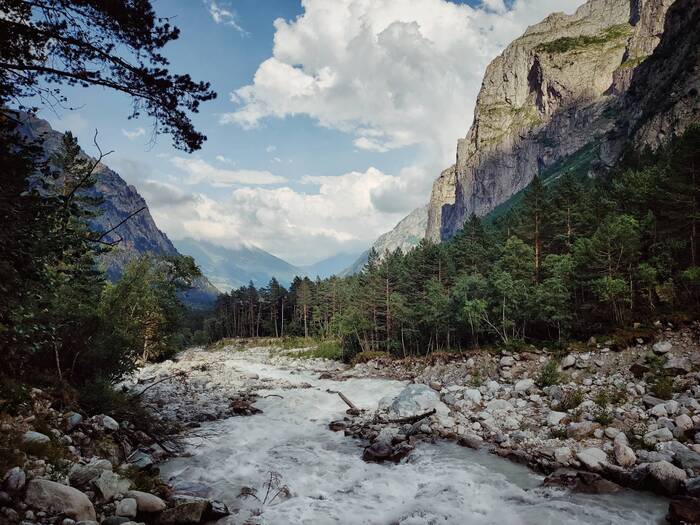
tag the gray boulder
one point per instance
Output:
(14, 480)
(662, 347)
(186, 511)
(127, 508)
(146, 502)
(52, 497)
(416, 399)
(82, 475)
(110, 484)
(665, 478)
(35, 437)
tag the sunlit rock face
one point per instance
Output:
(614, 70)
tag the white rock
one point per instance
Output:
(658, 436)
(110, 484)
(53, 497)
(624, 455)
(562, 455)
(554, 418)
(108, 422)
(668, 477)
(524, 385)
(612, 432)
(662, 347)
(507, 361)
(672, 407)
(659, 410)
(498, 404)
(473, 395)
(127, 508)
(416, 399)
(592, 457)
(568, 361)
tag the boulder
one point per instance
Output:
(35, 437)
(659, 410)
(107, 422)
(581, 430)
(664, 477)
(662, 347)
(217, 510)
(110, 484)
(185, 511)
(687, 459)
(683, 422)
(658, 436)
(141, 460)
(470, 440)
(684, 510)
(416, 399)
(578, 481)
(14, 480)
(524, 385)
(568, 361)
(72, 420)
(692, 487)
(379, 452)
(127, 508)
(562, 455)
(593, 458)
(115, 520)
(82, 475)
(472, 394)
(52, 497)
(554, 418)
(678, 366)
(624, 455)
(146, 502)
(507, 361)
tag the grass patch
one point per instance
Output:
(330, 349)
(572, 399)
(571, 43)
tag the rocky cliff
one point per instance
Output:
(594, 82)
(137, 235)
(405, 235)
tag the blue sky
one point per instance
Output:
(342, 114)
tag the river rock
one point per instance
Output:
(684, 510)
(35, 437)
(53, 497)
(659, 410)
(562, 455)
(470, 440)
(568, 361)
(658, 436)
(110, 484)
(524, 385)
(554, 418)
(593, 458)
(127, 508)
(507, 361)
(416, 399)
(687, 459)
(185, 511)
(14, 480)
(107, 422)
(72, 420)
(472, 394)
(678, 366)
(624, 455)
(662, 347)
(217, 510)
(665, 478)
(82, 475)
(146, 502)
(579, 481)
(379, 452)
(141, 460)
(683, 422)
(581, 430)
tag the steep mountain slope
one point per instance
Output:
(234, 267)
(591, 82)
(137, 235)
(333, 265)
(405, 235)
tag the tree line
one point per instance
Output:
(576, 256)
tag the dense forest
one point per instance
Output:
(574, 257)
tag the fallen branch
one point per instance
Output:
(348, 402)
(174, 376)
(411, 419)
(273, 395)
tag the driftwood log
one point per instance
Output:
(354, 411)
(410, 419)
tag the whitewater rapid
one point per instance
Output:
(330, 484)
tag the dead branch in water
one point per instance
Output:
(352, 406)
(410, 419)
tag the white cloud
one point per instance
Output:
(199, 171)
(391, 73)
(133, 135)
(271, 148)
(225, 160)
(332, 214)
(225, 15)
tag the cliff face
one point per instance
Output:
(137, 235)
(572, 80)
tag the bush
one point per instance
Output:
(329, 349)
(549, 374)
(603, 415)
(662, 386)
(571, 399)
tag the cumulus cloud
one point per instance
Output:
(198, 171)
(392, 73)
(223, 14)
(134, 134)
(331, 214)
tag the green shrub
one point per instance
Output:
(603, 415)
(571, 399)
(570, 43)
(662, 386)
(558, 432)
(549, 374)
(329, 349)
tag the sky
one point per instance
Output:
(332, 120)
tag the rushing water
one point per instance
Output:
(329, 482)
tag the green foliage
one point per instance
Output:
(661, 385)
(549, 374)
(603, 415)
(328, 349)
(573, 256)
(567, 43)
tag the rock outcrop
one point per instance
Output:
(574, 90)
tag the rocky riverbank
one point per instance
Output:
(594, 419)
